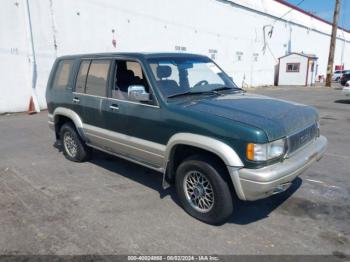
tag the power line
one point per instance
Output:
(291, 9)
(271, 27)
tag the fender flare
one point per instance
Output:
(227, 154)
(62, 111)
(215, 146)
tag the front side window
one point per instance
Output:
(293, 67)
(62, 75)
(187, 75)
(128, 73)
(97, 79)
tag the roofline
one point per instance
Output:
(309, 14)
(301, 54)
(131, 54)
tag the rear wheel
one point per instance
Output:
(203, 191)
(73, 146)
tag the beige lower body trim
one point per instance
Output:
(139, 150)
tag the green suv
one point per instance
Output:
(181, 115)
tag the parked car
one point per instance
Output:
(345, 78)
(337, 75)
(181, 115)
(346, 89)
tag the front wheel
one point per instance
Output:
(74, 147)
(203, 191)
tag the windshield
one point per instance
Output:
(187, 75)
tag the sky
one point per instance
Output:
(325, 9)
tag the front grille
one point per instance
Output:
(301, 138)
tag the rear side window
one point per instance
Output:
(81, 78)
(62, 76)
(96, 82)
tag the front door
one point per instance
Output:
(133, 132)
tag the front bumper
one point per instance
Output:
(346, 91)
(253, 184)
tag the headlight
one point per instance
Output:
(263, 152)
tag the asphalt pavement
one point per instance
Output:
(49, 205)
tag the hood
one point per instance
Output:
(278, 118)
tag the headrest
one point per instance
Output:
(163, 71)
(130, 73)
(125, 76)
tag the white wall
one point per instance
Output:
(15, 67)
(84, 26)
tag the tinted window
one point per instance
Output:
(81, 78)
(63, 73)
(97, 79)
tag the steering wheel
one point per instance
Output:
(201, 83)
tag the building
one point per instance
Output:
(245, 37)
(297, 69)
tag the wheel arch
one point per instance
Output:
(66, 113)
(186, 144)
(207, 145)
(225, 152)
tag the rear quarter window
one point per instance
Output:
(62, 74)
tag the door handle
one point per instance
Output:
(76, 100)
(114, 107)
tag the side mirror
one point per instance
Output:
(138, 93)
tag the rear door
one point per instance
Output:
(90, 97)
(78, 96)
(96, 92)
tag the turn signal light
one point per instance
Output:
(250, 151)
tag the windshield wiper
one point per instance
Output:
(188, 93)
(213, 91)
(228, 88)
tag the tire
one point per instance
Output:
(213, 212)
(73, 146)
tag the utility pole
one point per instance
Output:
(333, 42)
